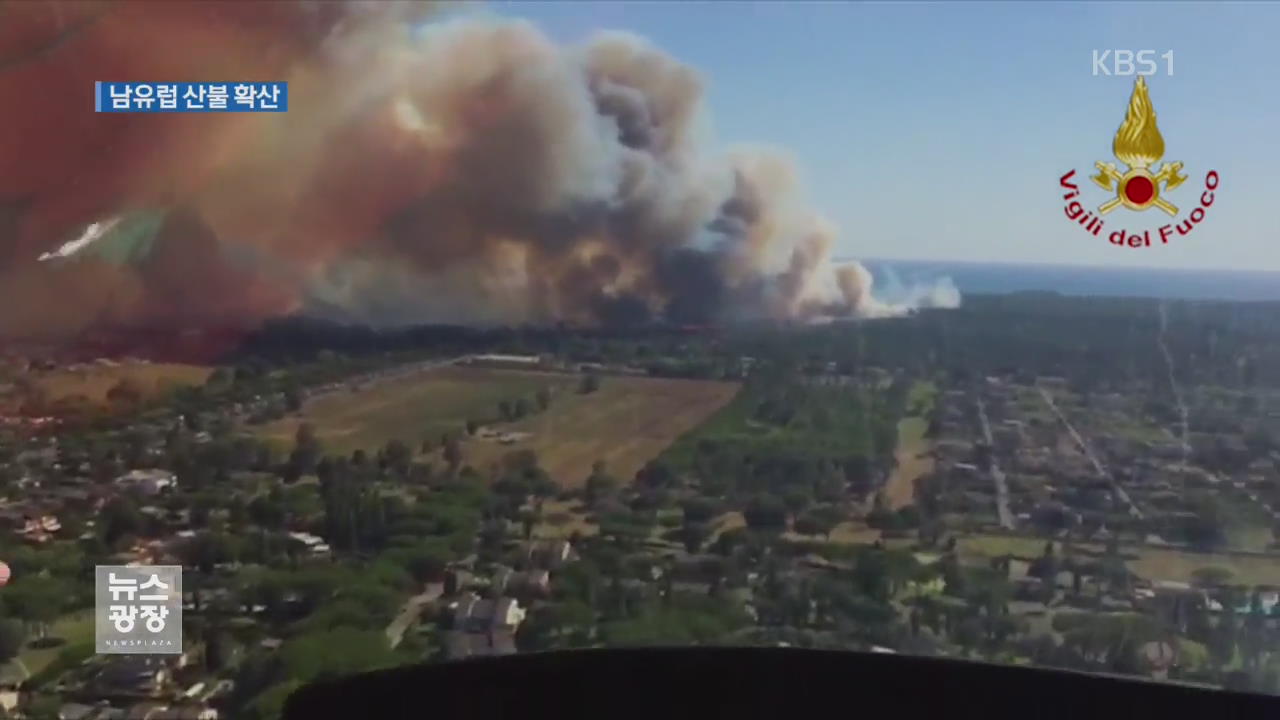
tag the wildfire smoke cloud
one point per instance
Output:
(429, 169)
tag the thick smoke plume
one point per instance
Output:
(460, 170)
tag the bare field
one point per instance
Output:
(849, 532)
(913, 462)
(414, 408)
(625, 423)
(94, 381)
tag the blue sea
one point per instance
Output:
(1000, 278)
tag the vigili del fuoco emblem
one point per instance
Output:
(1138, 185)
(1139, 145)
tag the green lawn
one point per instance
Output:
(1149, 563)
(1139, 432)
(411, 409)
(998, 545)
(822, 421)
(921, 397)
(1158, 564)
(74, 628)
(1248, 526)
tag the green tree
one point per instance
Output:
(268, 511)
(452, 454)
(398, 455)
(657, 474)
(698, 511)
(1211, 577)
(599, 484)
(797, 500)
(520, 408)
(306, 449)
(427, 563)
(269, 705)
(1208, 527)
(814, 523)
(1222, 642)
(556, 625)
(765, 512)
(119, 518)
(589, 383)
(216, 649)
(12, 637)
(967, 633)
(292, 398)
(38, 600)
(871, 574)
(693, 535)
(125, 395)
(206, 550)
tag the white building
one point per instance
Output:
(315, 544)
(510, 361)
(150, 482)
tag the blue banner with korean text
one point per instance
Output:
(142, 97)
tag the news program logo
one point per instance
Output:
(1138, 146)
(138, 609)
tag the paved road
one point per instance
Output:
(1102, 471)
(997, 475)
(409, 613)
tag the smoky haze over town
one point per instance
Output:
(492, 345)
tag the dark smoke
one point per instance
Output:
(473, 171)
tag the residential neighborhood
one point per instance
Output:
(350, 513)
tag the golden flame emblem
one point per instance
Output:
(1139, 145)
(1138, 142)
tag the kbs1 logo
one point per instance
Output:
(1121, 62)
(1139, 146)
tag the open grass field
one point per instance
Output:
(1136, 430)
(989, 546)
(921, 397)
(93, 381)
(412, 408)
(626, 423)
(1148, 562)
(74, 628)
(912, 453)
(1159, 564)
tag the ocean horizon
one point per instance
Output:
(895, 277)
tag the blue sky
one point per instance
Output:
(939, 130)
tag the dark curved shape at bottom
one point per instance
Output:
(737, 683)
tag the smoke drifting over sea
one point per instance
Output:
(428, 170)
